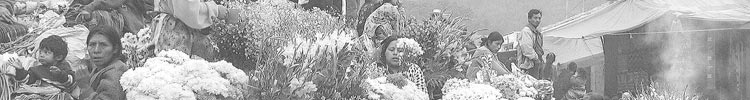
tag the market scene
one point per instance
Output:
(374, 50)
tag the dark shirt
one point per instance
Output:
(562, 84)
(60, 76)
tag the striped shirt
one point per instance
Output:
(7, 86)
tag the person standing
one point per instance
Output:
(530, 45)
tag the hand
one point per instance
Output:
(84, 16)
(15, 63)
(5, 15)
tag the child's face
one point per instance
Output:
(45, 57)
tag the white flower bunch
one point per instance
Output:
(527, 92)
(173, 75)
(310, 46)
(473, 91)
(301, 88)
(521, 85)
(453, 84)
(508, 84)
(411, 44)
(381, 89)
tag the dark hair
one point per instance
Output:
(113, 37)
(494, 36)
(572, 66)
(56, 45)
(551, 57)
(532, 12)
(385, 44)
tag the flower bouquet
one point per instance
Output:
(394, 87)
(516, 86)
(461, 89)
(173, 75)
(136, 47)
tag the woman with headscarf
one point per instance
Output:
(485, 57)
(100, 77)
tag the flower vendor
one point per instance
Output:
(9, 28)
(53, 71)
(578, 88)
(562, 82)
(392, 61)
(484, 57)
(182, 25)
(100, 77)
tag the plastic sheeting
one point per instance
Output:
(579, 36)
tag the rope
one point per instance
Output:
(685, 32)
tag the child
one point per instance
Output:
(54, 71)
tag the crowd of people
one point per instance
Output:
(182, 24)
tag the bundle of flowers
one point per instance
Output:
(515, 86)
(508, 84)
(173, 75)
(321, 42)
(413, 47)
(135, 47)
(461, 89)
(384, 88)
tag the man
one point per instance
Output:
(530, 45)
(562, 82)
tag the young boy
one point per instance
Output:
(54, 70)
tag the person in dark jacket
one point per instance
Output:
(562, 82)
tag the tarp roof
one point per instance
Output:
(579, 36)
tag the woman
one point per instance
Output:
(484, 57)
(99, 78)
(578, 89)
(391, 63)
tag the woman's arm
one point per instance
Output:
(103, 4)
(417, 76)
(109, 87)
